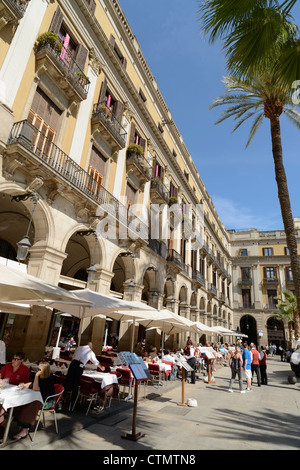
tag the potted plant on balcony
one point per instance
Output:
(156, 181)
(173, 200)
(134, 149)
(50, 39)
(83, 79)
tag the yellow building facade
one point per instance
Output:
(76, 97)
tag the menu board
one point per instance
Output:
(136, 364)
(209, 352)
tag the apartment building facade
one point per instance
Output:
(261, 272)
(77, 97)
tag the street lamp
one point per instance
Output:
(24, 245)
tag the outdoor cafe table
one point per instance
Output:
(102, 377)
(11, 397)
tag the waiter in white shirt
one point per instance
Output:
(82, 355)
(191, 360)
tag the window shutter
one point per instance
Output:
(143, 144)
(56, 21)
(118, 111)
(103, 91)
(154, 167)
(132, 134)
(81, 56)
(112, 41)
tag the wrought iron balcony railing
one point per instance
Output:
(60, 163)
(109, 120)
(67, 65)
(18, 7)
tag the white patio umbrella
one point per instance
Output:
(202, 328)
(98, 303)
(226, 331)
(168, 322)
(21, 288)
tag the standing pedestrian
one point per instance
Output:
(236, 362)
(255, 364)
(247, 366)
(263, 365)
(82, 355)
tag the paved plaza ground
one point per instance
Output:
(265, 419)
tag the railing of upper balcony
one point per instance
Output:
(32, 139)
(161, 188)
(141, 163)
(18, 6)
(101, 110)
(66, 61)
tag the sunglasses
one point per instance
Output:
(16, 359)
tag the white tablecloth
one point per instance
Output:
(162, 366)
(11, 396)
(104, 378)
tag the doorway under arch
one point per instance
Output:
(248, 327)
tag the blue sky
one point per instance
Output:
(189, 73)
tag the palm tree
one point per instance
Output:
(287, 307)
(251, 32)
(262, 97)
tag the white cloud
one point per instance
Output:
(235, 216)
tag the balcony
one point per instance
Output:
(270, 280)
(55, 60)
(33, 151)
(109, 126)
(12, 11)
(245, 281)
(159, 191)
(176, 259)
(198, 277)
(158, 247)
(138, 167)
(212, 289)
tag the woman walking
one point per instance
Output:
(236, 363)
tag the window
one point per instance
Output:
(160, 127)
(142, 95)
(271, 294)
(97, 162)
(267, 251)
(131, 195)
(186, 175)
(270, 273)
(246, 296)
(45, 116)
(286, 251)
(69, 47)
(118, 52)
(289, 274)
(243, 252)
(173, 190)
(246, 273)
(158, 171)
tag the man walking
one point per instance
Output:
(255, 364)
(247, 366)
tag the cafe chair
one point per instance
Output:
(168, 373)
(87, 391)
(59, 390)
(126, 380)
(107, 394)
(155, 372)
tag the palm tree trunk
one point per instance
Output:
(286, 212)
